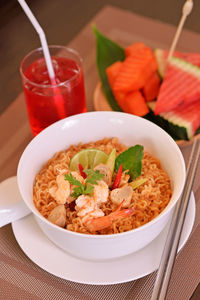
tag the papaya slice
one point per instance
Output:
(112, 72)
(133, 48)
(134, 103)
(144, 50)
(119, 97)
(152, 86)
(134, 72)
(130, 76)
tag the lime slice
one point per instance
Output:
(88, 158)
(111, 160)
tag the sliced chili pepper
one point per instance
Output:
(83, 174)
(117, 178)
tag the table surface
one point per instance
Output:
(124, 27)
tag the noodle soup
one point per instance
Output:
(93, 236)
(107, 207)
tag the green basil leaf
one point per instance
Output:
(108, 52)
(131, 160)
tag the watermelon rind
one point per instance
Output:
(198, 131)
(176, 126)
(161, 61)
(182, 64)
(185, 66)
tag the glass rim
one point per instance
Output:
(51, 85)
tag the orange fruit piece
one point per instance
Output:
(119, 97)
(112, 72)
(131, 49)
(152, 87)
(133, 73)
(134, 103)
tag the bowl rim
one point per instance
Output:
(102, 236)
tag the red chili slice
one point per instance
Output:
(117, 178)
(83, 174)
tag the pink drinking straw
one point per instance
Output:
(59, 99)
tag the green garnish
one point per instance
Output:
(131, 160)
(93, 176)
(108, 52)
(111, 160)
(87, 188)
(136, 183)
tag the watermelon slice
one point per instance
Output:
(182, 122)
(161, 57)
(181, 85)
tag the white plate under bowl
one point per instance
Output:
(59, 263)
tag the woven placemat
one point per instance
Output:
(21, 279)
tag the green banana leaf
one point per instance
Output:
(107, 53)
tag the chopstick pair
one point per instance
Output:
(173, 237)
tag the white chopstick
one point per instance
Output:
(173, 237)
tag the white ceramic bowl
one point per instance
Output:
(92, 126)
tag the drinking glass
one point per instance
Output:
(47, 101)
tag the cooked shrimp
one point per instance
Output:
(58, 215)
(62, 191)
(103, 169)
(122, 194)
(62, 171)
(84, 205)
(93, 214)
(100, 192)
(78, 177)
(96, 224)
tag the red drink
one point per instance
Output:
(47, 103)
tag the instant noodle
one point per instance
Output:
(102, 205)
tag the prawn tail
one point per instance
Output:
(100, 223)
(97, 224)
(122, 214)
